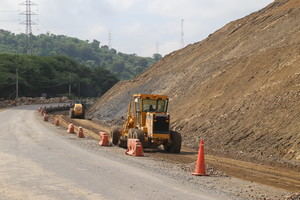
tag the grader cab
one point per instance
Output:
(149, 121)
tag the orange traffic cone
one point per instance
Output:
(80, 132)
(56, 122)
(45, 117)
(134, 148)
(200, 165)
(70, 128)
(104, 139)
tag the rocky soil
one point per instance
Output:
(295, 196)
(239, 89)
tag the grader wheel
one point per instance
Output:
(135, 133)
(115, 135)
(123, 143)
(175, 145)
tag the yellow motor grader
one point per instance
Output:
(77, 110)
(149, 121)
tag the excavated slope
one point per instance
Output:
(239, 89)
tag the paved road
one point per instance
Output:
(38, 162)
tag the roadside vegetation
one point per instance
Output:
(89, 53)
(51, 75)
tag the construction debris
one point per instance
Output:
(30, 100)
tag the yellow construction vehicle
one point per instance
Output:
(149, 121)
(77, 110)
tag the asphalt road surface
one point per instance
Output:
(38, 162)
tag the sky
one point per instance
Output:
(143, 27)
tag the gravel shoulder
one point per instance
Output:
(221, 181)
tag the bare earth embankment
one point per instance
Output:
(239, 89)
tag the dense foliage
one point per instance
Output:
(92, 54)
(51, 75)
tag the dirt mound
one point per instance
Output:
(239, 89)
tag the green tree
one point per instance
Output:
(51, 75)
(157, 57)
(84, 52)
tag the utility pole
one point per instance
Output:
(17, 83)
(28, 23)
(157, 47)
(70, 86)
(79, 89)
(182, 33)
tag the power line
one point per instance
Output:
(7, 20)
(157, 47)
(8, 11)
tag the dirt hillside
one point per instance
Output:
(239, 89)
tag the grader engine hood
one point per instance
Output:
(158, 125)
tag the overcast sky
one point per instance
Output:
(136, 26)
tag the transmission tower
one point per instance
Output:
(182, 33)
(109, 40)
(157, 47)
(28, 13)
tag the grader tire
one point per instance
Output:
(123, 143)
(82, 116)
(175, 145)
(115, 136)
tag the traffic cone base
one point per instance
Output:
(199, 174)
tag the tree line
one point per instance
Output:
(51, 75)
(89, 53)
